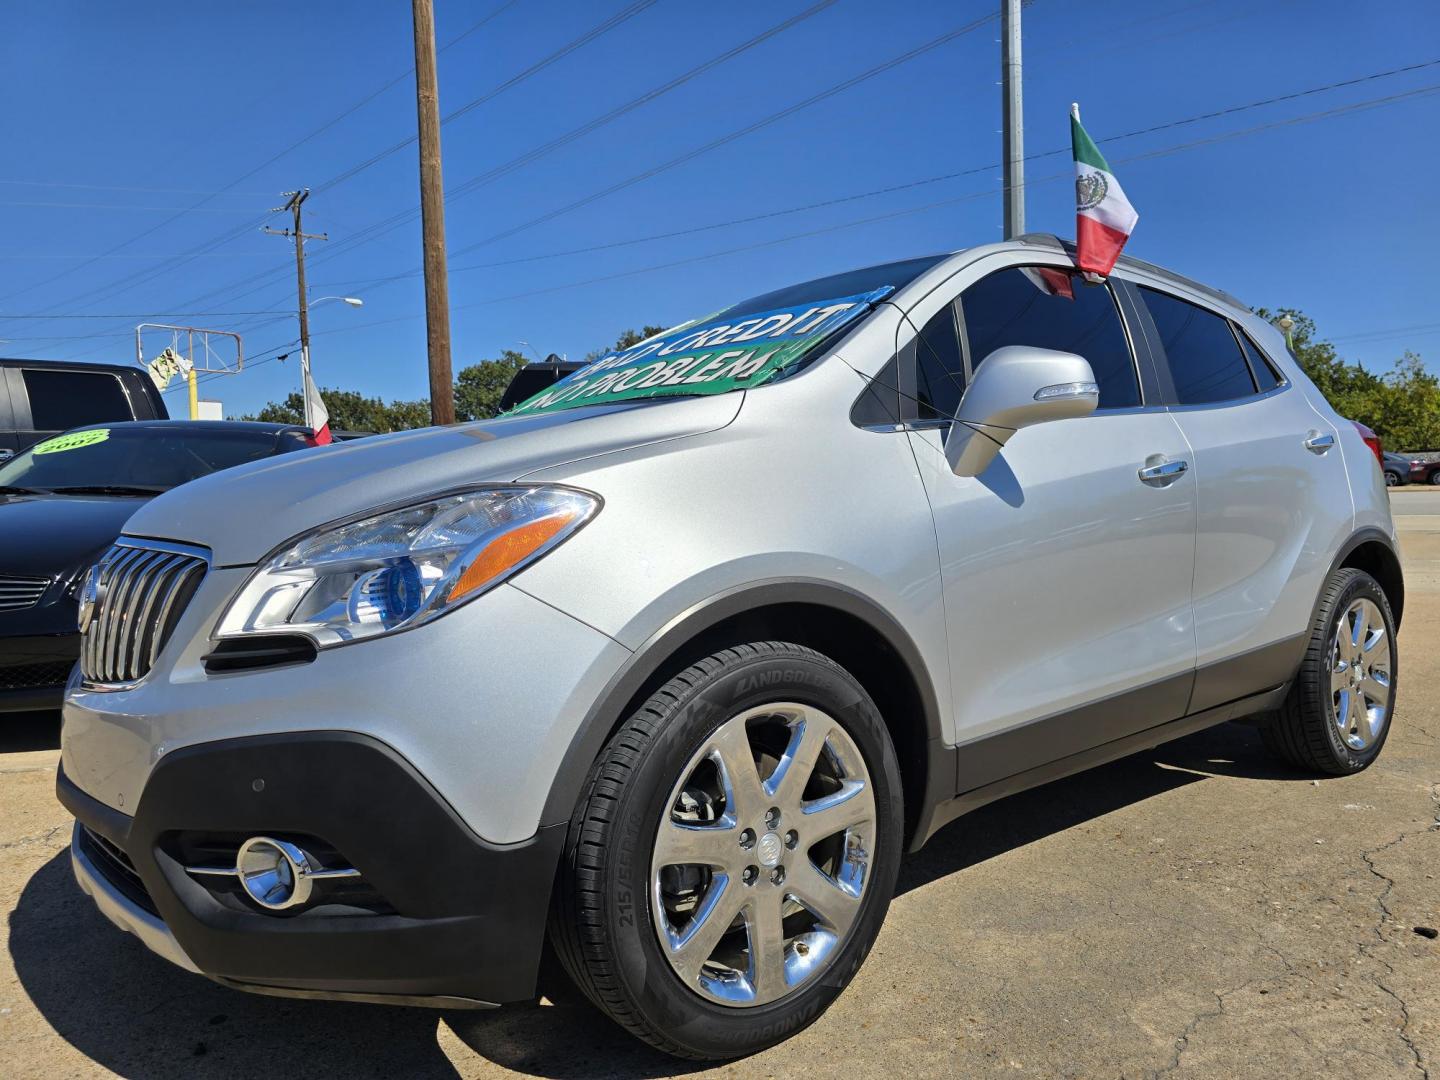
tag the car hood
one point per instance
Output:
(58, 535)
(243, 513)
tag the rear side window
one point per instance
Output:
(1052, 308)
(65, 399)
(939, 369)
(1266, 377)
(1205, 360)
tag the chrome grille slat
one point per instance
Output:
(109, 619)
(162, 617)
(19, 593)
(142, 590)
(134, 647)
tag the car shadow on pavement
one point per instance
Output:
(1229, 750)
(135, 1014)
(26, 731)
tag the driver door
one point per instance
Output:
(1066, 576)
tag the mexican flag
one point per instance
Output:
(1104, 218)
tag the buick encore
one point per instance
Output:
(670, 665)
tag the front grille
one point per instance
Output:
(116, 868)
(19, 593)
(32, 676)
(142, 592)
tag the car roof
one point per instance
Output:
(66, 365)
(257, 426)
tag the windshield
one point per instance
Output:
(742, 346)
(137, 460)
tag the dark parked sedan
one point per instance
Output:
(62, 503)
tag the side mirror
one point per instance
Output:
(1016, 387)
(6, 455)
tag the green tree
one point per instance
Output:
(626, 339)
(1402, 406)
(349, 411)
(479, 387)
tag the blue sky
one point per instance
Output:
(131, 128)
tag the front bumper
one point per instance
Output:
(33, 670)
(462, 922)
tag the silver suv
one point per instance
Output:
(671, 664)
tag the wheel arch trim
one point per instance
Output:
(647, 661)
(1370, 534)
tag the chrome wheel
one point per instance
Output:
(1360, 665)
(762, 855)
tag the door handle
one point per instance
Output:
(1164, 472)
(1317, 443)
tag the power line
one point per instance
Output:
(893, 188)
(376, 229)
(748, 129)
(272, 275)
(256, 222)
(540, 65)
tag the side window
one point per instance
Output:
(1052, 308)
(65, 399)
(1205, 359)
(1264, 371)
(939, 370)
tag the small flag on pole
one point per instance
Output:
(319, 415)
(1104, 218)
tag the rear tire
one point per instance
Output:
(683, 905)
(1339, 710)
(1435, 477)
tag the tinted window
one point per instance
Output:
(939, 370)
(1265, 374)
(850, 283)
(141, 457)
(66, 399)
(1205, 359)
(1051, 308)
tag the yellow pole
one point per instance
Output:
(194, 397)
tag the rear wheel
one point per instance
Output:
(734, 855)
(1337, 715)
(1435, 477)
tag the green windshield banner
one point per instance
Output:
(712, 356)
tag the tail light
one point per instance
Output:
(1371, 440)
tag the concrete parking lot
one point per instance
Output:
(1198, 910)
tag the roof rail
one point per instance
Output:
(1051, 242)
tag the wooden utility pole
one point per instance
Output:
(296, 199)
(432, 217)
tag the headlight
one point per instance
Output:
(404, 567)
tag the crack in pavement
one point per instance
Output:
(1382, 901)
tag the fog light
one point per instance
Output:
(274, 874)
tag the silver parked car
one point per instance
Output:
(673, 663)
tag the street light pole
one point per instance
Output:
(432, 218)
(1012, 119)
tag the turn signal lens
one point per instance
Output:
(508, 550)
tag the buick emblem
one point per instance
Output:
(90, 595)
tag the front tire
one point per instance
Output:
(1392, 479)
(734, 853)
(1337, 715)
